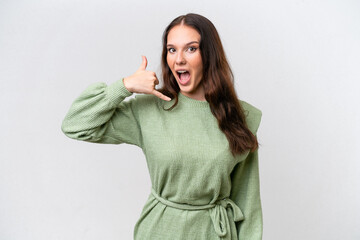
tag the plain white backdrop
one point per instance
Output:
(298, 61)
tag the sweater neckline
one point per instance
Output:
(191, 101)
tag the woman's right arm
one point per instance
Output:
(101, 115)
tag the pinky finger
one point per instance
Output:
(160, 95)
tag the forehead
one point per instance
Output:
(182, 34)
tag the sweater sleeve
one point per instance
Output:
(245, 190)
(100, 115)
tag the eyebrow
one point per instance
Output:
(171, 45)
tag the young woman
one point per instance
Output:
(199, 139)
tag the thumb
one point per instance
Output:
(143, 64)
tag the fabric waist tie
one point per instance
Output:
(217, 210)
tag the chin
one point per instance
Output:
(187, 89)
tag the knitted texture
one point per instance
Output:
(188, 158)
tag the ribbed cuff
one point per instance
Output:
(117, 92)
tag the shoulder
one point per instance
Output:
(253, 116)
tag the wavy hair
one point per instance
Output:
(218, 83)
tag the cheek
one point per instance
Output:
(198, 65)
(169, 61)
(170, 65)
(197, 61)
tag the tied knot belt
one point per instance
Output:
(217, 210)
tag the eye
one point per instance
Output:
(192, 49)
(171, 50)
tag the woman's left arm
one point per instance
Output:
(245, 192)
(245, 180)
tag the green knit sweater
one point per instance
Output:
(188, 158)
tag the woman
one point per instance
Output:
(198, 138)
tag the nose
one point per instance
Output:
(180, 59)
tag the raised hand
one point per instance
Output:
(143, 81)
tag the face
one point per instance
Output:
(184, 60)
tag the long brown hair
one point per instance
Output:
(218, 82)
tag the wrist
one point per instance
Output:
(126, 84)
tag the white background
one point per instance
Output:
(298, 61)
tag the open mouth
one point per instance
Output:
(184, 76)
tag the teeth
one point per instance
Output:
(181, 71)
